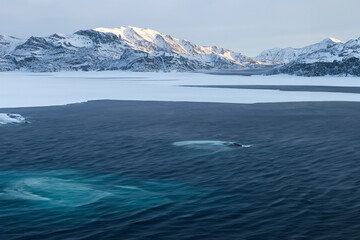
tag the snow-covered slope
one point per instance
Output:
(8, 43)
(124, 48)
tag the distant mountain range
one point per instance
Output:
(140, 49)
(328, 57)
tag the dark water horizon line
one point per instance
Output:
(290, 88)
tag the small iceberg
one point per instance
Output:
(6, 118)
(209, 144)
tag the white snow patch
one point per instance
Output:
(335, 40)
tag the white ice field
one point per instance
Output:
(24, 89)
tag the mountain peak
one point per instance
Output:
(332, 40)
(131, 33)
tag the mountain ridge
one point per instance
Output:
(142, 49)
(124, 48)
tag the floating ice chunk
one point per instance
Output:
(209, 143)
(200, 143)
(246, 146)
(6, 118)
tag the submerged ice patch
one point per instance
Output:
(55, 191)
(61, 188)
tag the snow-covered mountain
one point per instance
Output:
(324, 51)
(141, 49)
(328, 57)
(124, 48)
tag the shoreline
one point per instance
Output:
(269, 105)
(266, 105)
(287, 88)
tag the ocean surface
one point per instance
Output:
(167, 170)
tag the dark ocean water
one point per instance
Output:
(110, 170)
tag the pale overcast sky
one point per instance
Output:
(247, 26)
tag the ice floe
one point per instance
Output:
(20, 89)
(209, 144)
(6, 118)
